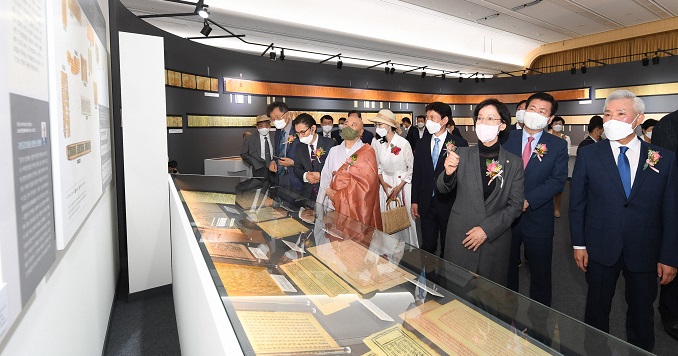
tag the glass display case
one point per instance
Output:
(297, 278)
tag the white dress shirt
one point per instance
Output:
(262, 146)
(440, 145)
(533, 145)
(310, 153)
(421, 132)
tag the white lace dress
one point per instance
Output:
(395, 168)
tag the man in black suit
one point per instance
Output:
(367, 136)
(623, 208)
(283, 147)
(326, 128)
(310, 156)
(665, 135)
(427, 203)
(405, 125)
(257, 150)
(414, 135)
(595, 132)
(336, 134)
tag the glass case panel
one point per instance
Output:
(297, 278)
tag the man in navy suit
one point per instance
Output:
(545, 162)
(427, 203)
(311, 153)
(623, 209)
(283, 147)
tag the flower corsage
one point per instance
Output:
(652, 159)
(540, 151)
(290, 139)
(450, 147)
(351, 160)
(494, 170)
(395, 149)
(319, 152)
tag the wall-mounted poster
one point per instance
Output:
(27, 245)
(79, 107)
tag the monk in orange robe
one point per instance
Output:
(350, 177)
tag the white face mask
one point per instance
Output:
(264, 131)
(341, 127)
(279, 124)
(382, 131)
(520, 114)
(617, 130)
(557, 128)
(420, 125)
(307, 140)
(533, 120)
(327, 128)
(648, 134)
(486, 133)
(433, 127)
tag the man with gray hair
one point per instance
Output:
(623, 208)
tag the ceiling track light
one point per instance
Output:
(340, 63)
(272, 54)
(387, 70)
(655, 59)
(206, 29)
(573, 70)
(423, 74)
(476, 79)
(646, 61)
(524, 75)
(443, 76)
(461, 79)
(201, 9)
(583, 68)
(282, 54)
(392, 70)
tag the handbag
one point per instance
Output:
(395, 219)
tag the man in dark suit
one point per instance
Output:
(310, 155)
(545, 161)
(326, 128)
(427, 203)
(623, 208)
(415, 134)
(665, 135)
(520, 114)
(283, 147)
(257, 150)
(454, 131)
(336, 134)
(405, 125)
(595, 132)
(366, 136)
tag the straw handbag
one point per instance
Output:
(395, 219)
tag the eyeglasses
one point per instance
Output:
(303, 133)
(487, 120)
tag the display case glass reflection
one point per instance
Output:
(297, 278)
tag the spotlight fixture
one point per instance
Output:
(646, 61)
(524, 75)
(573, 70)
(443, 76)
(392, 69)
(282, 54)
(583, 68)
(476, 79)
(387, 70)
(423, 74)
(272, 54)
(206, 29)
(655, 59)
(201, 9)
(340, 63)
(461, 79)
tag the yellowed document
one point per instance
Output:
(285, 332)
(457, 329)
(278, 229)
(228, 250)
(363, 269)
(267, 213)
(325, 289)
(253, 200)
(242, 280)
(208, 197)
(396, 341)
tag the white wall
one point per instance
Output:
(68, 315)
(144, 137)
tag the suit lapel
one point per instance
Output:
(257, 148)
(609, 165)
(442, 156)
(473, 155)
(640, 174)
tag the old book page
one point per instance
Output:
(459, 330)
(363, 269)
(243, 280)
(396, 341)
(253, 199)
(278, 229)
(265, 214)
(231, 235)
(327, 291)
(229, 250)
(285, 332)
(208, 197)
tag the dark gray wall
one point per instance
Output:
(195, 144)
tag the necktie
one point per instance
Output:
(267, 150)
(527, 151)
(436, 152)
(313, 159)
(624, 170)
